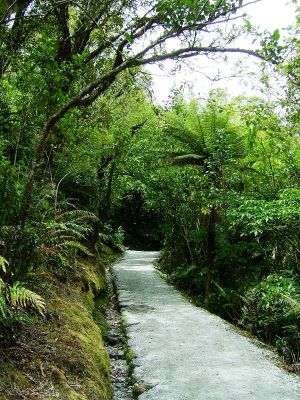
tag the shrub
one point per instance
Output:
(272, 311)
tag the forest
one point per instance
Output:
(89, 163)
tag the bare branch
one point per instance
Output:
(8, 11)
(194, 51)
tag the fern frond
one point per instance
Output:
(221, 290)
(188, 159)
(79, 246)
(185, 136)
(3, 264)
(64, 260)
(70, 232)
(20, 296)
(78, 215)
(67, 237)
(3, 306)
(293, 303)
(2, 285)
(72, 229)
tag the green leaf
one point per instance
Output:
(248, 25)
(128, 37)
(276, 35)
(3, 264)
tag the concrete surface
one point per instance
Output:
(185, 353)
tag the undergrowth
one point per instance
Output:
(60, 355)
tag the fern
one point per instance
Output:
(77, 215)
(72, 229)
(66, 233)
(79, 246)
(293, 303)
(19, 296)
(3, 264)
(208, 137)
(3, 305)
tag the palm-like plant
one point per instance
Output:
(211, 139)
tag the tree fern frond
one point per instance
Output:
(201, 131)
(76, 226)
(184, 135)
(78, 215)
(188, 159)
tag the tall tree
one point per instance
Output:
(95, 45)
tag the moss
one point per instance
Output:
(138, 389)
(63, 356)
(98, 316)
(14, 376)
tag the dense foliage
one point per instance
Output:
(84, 152)
(232, 234)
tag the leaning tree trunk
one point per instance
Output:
(84, 98)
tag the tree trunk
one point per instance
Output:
(211, 247)
(109, 190)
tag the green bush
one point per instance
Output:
(272, 311)
(190, 278)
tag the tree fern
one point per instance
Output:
(181, 130)
(208, 136)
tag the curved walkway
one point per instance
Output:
(184, 352)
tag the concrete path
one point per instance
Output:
(185, 353)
